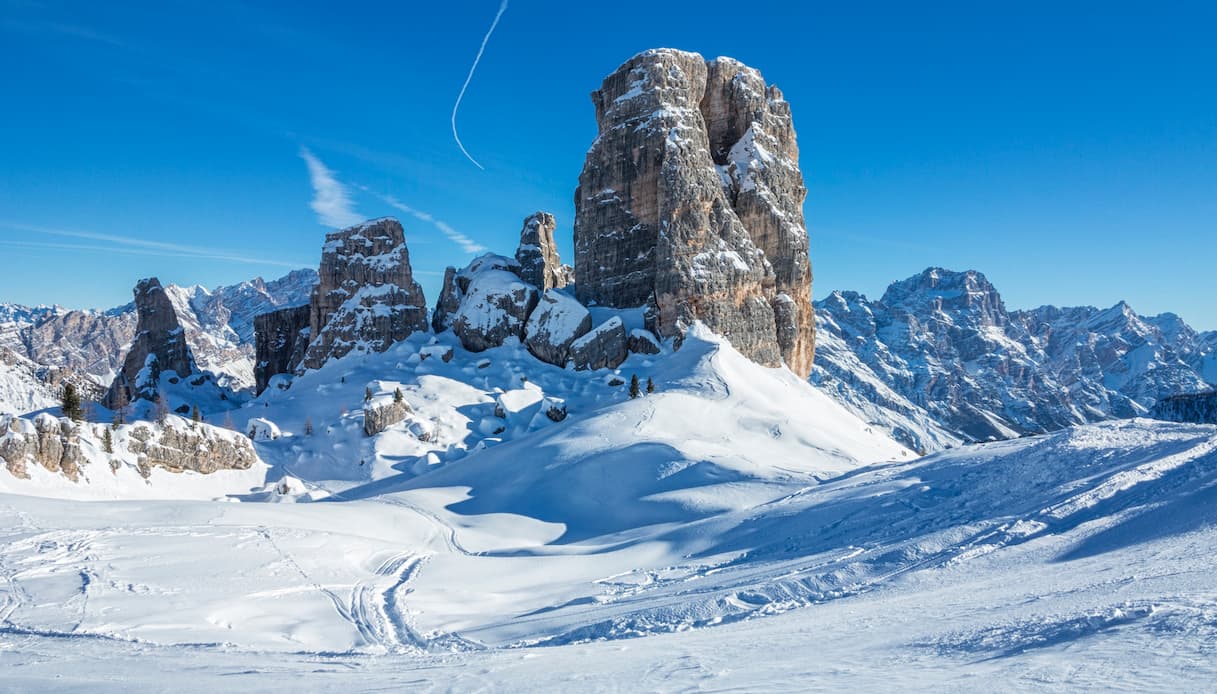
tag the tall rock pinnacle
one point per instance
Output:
(367, 297)
(159, 346)
(690, 202)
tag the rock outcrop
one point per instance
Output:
(538, 253)
(159, 346)
(602, 348)
(53, 443)
(179, 447)
(690, 202)
(554, 325)
(366, 297)
(281, 341)
(378, 416)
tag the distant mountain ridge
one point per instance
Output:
(938, 360)
(92, 343)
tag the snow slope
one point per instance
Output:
(758, 535)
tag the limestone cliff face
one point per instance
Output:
(690, 201)
(367, 297)
(281, 338)
(159, 346)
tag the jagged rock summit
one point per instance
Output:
(690, 203)
(537, 253)
(159, 347)
(367, 297)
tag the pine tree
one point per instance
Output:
(70, 403)
(195, 417)
(228, 421)
(308, 426)
(367, 394)
(107, 442)
(397, 396)
(650, 385)
(634, 390)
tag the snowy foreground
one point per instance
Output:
(734, 530)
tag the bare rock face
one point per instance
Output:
(178, 447)
(380, 416)
(602, 348)
(367, 297)
(53, 443)
(159, 346)
(690, 202)
(554, 325)
(538, 254)
(643, 342)
(448, 304)
(281, 339)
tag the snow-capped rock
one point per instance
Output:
(262, 429)
(602, 348)
(367, 298)
(556, 322)
(494, 308)
(690, 202)
(537, 253)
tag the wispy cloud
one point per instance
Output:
(79, 31)
(331, 201)
(467, 244)
(127, 245)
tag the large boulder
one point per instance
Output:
(602, 348)
(537, 253)
(494, 308)
(554, 325)
(706, 153)
(366, 297)
(159, 346)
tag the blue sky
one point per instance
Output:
(1070, 153)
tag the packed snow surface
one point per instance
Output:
(754, 533)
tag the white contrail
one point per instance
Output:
(467, 244)
(468, 78)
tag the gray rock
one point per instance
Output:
(643, 342)
(379, 416)
(495, 307)
(199, 448)
(554, 325)
(367, 296)
(538, 254)
(159, 346)
(281, 338)
(449, 302)
(701, 151)
(602, 348)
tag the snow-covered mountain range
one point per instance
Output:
(91, 343)
(939, 360)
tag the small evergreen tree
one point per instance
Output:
(397, 396)
(120, 406)
(367, 394)
(107, 442)
(308, 426)
(634, 389)
(650, 385)
(228, 421)
(195, 417)
(69, 403)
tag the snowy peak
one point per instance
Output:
(940, 358)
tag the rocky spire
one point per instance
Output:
(159, 346)
(367, 297)
(538, 254)
(690, 201)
